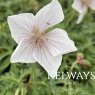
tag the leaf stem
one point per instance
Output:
(33, 78)
(70, 70)
(72, 14)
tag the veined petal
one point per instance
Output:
(49, 15)
(47, 61)
(21, 26)
(58, 42)
(23, 52)
(79, 6)
(92, 4)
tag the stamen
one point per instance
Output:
(40, 41)
(39, 37)
(48, 23)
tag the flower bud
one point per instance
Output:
(79, 57)
(86, 63)
(36, 5)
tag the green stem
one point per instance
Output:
(71, 69)
(17, 91)
(33, 78)
(87, 45)
(35, 83)
(72, 14)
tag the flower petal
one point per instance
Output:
(92, 4)
(49, 15)
(79, 6)
(59, 43)
(20, 26)
(23, 52)
(47, 61)
(81, 16)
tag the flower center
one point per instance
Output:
(40, 42)
(40, 37)
(86, 1)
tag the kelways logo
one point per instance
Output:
(75, 75)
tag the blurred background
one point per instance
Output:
(32, 79)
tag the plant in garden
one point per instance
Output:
(31, 79)
(81, 6)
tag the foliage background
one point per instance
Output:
(31, 79)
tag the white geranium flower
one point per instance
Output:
(81, 6)
(35, 44)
